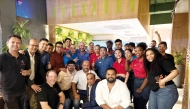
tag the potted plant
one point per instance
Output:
(23, 32)
(179, 57)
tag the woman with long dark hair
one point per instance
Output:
(141, 89)
(160, 74)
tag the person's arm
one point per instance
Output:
(61, 100)
(128, 66)
(158, 35)
(144, 84)
(171, 76)
(74, 89)
(126, 77)
(105, 106)
(125, 97)
(44, 105)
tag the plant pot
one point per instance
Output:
(178, 80)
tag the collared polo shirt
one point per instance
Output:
(56, 61)
(120, 67)
(102, 65)
(83, 57)
(119, 94)
(11, 80)
(81, 80)
(49, 94)
(93, 58)
(138, 68)
(64, 79)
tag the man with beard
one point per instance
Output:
(79, 83)
(112, 93)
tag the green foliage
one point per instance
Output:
(20, 30)
(179, 56)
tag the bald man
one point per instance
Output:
(37, 76)
(82, 54)
(79, 83)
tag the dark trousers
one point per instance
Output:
(14, 101)
(140, 103)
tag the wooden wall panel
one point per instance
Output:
(143, 14)
(60, 11)
(186, 96)
(179, 31)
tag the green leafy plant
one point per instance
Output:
(23, 32)
(179, 56)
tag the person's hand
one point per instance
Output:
(21, 52)
(25, 72)
(76, 59)
(63, 69)
(60, 106)
(156, 32)
(36, 88)
(139, 90)
(77, 96)
(93, 64)
(49, 65)
(68, 55)
(161, 82)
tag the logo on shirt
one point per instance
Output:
(22, 62)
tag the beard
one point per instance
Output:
(111, 80)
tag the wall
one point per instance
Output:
(35, 11)
(7, 19)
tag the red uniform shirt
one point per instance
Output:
(120, 67)
(56, 61)
(138, 68)
(93, 58)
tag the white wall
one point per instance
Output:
(165, 31)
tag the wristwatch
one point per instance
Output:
(61, 104)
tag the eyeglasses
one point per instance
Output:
(33, 45)
(59, 47)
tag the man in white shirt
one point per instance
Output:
(64, 81)
(79, 83)
(112, 93)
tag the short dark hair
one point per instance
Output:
(15, 36)
(129, 50)
(97, 45)
(164, 43)
(126, 44)
(142, 45)
(132, 44)
(118, 40)
(50, 44)
(153, 41)
(91, 74)
(103, 48)
(58, 42)
(111, 68)
(43, 39)
(90, 43)
(67, 39)
(109, 41)
(70, 62)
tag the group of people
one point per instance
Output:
(60, 76)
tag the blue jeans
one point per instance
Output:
(67, 103)
(164, 98)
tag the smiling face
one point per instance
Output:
(111, 76)
(90, 79)
(118, 54)
(51, 78)
(97, 49)
(14, 44)
(118, 45)
(43, 45)
(150, 55)
(162, 48)
(33, 46)
(128, 55)
(139, 52)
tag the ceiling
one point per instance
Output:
(124, 27)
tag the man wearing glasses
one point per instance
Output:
(56, 58)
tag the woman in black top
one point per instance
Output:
(160, 74)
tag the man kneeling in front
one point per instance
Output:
(112, 93)
(50, 96)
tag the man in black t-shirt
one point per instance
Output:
(50, 96)
(162, 47)
(13, 70)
